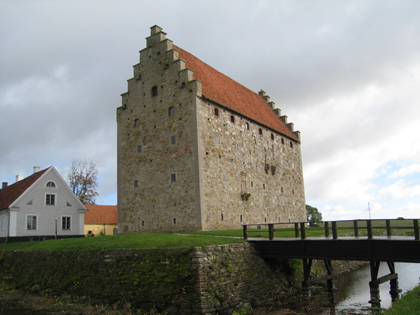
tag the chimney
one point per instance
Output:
(36, 169)
(4, 185)
(19, 177)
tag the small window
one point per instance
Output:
(272, 137)
(232, 119)
(154, 91)
(173, 140)
(136, 183)
(139, 149)
(50, 184)
(142, 223)
(240, 217)
(265, 219)
(282, 141)
(171, 111)
(137, 122)
(293, 191)
(173, 177)
(263, 186)
(260, 131)
(50, 200)
(252, 184)
(246, 126)
(291, 144)
(281, 189)
(216, 112)
(66, 223)
(31, 222)
(222, 216)
(174, 221)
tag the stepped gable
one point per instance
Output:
(12, 192)
(101, 214)
(227, 92)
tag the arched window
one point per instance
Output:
(246, 126)
(50, 184)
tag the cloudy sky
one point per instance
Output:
(346, 73)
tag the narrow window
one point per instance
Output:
(246, 126)
(136, 183)
(240, 217)
(136, 122)
(232, 119)
(66, 223)
(252, 184)
(293, 191)
(263, 186)
(139, 149)
(173, 177)
(265, 219)
(272, 137)
(142, 223)
(50, 199)
(216, 112)
(171, 111)
(282, 141)
(154, 91)
(222, 216)
(260, 131)
(50, 184)
(31, 222)
(174, 220)
(293, 165)
(281, 189)
(173, 139)
(291, 144)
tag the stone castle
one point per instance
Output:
(199, 151)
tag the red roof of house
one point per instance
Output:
(227, 92)
(101, 214)
(12, 192)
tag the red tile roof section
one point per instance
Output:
(227, 92)
(12, 192)
(101, 214)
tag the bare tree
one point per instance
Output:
(83, 180)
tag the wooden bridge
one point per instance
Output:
(363, 244)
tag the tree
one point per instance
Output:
(83, 180)
(313, 215)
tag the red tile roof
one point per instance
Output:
(101, 214)
(12, 192)
(227, 92)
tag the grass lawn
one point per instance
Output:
(409, 304)
(147, 240)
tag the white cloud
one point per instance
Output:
(412, 169)
(401, 190)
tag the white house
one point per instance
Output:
(40, 206)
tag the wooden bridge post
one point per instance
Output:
(245, 229)
(302, 231)
(296, 230)
(369, 229)
(306, 286)
(334, 230)
(388, 228)
(375, 300)
(416, 229)
(356, 229)
(327, 230)
(394, 291)
(330, 282)
(271, 232)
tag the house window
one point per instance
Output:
(66, 223)
(137, 122)
(216, 112)
(232, 119)
(272, 137)
(136, 183)
(154, 91)
(173, 177)
(174, 221)
(260, 131)
(2, 223)
(282, 141)
(50, 184)
(173, 140)
(291, 144)
(139, 149)
(171, 111)
(31, 222)
(246, 126)
(50, 199)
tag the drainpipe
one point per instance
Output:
(55, 228)
(8, 227)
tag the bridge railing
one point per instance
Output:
(356, 225)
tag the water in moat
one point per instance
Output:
(353, 288)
